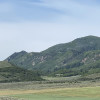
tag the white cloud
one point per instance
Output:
(71, 8)
(37, 35)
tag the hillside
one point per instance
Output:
(79, 57)
(11, 73)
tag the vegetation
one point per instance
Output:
(58, 88)
(71, 72)
(89, 93)
(11, 73)
(79, 57)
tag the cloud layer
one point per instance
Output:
(35, 25)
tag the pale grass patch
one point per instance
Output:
(72, 92)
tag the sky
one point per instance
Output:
(35, 25)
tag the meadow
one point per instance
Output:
(55, 88)
(83, 93)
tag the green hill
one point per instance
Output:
(11, 73)
(79, 57)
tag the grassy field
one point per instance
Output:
(55, 88)
(85, 93)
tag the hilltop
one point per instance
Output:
(79, 57)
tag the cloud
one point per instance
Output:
(77, 9)
(20, 10)
(35, 25)
(48, 10)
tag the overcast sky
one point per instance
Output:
(35, 25)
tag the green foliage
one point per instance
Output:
(12, 73)
(88, 93)
(78, 57)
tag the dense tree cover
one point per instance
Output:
(11, 73)
(78, 57)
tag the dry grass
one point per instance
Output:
(14, 92)
(77, 92)
(44, 90)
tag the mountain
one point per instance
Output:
(78, 57)
(11, 73)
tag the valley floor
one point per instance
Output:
(50, 90)
(84, 93)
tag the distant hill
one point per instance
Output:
(79, 57)
(11, 73)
